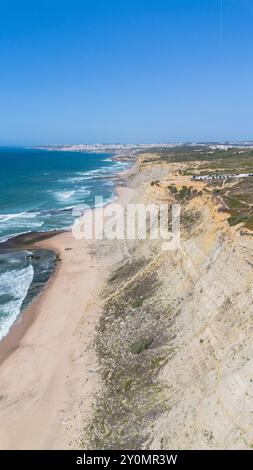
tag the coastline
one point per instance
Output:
(49, 351)
(125, 347)
(27, 316)
(34, 241)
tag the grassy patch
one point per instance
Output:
(233, 203)
(140, 345)
(237, 219)
(137, 302)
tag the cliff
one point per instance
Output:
(175, 338)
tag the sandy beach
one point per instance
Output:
(48, 375)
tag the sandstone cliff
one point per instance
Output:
(175, 338)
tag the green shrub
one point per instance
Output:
(140, 345)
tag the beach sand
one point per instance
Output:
(48, 375)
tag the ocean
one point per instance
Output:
(39, 189)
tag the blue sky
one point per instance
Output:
(125, 71)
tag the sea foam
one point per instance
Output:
(14, 285)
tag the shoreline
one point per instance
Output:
(32, 241)
(50, 350)
(26, 317)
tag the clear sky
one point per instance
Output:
(77, 71)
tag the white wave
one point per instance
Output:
(14, 283)
(16, 224)
(18, 215)
(67, 208)
(93, 172)
(64, 195)
(83, 192)
(98, 172)
(5, 217)
(74, 179)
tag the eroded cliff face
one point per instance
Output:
(210, 375)
(175, 338)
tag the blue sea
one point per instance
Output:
(39, 189)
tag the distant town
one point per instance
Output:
(107, 147)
